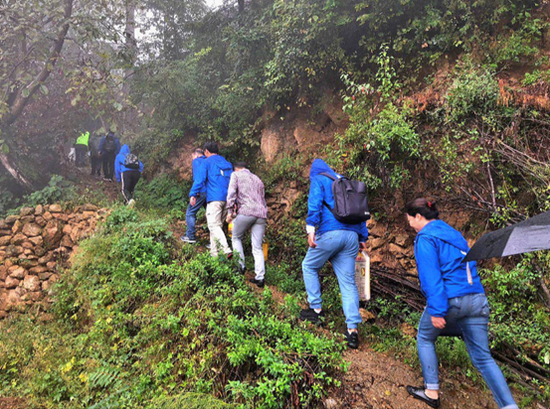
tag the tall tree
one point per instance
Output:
(35, 39)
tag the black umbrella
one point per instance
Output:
(530, 235)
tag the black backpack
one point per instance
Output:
(110, 144)
(131, 161)
(350, 200)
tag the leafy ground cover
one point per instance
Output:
(139, 323)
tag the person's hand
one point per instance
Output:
(228, 218)
(438, 322)
(193, 201)
(311, 240)
(362, 246)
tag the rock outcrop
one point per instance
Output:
(33, 246)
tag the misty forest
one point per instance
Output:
(127, 129)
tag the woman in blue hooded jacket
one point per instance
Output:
(456, 304)
(127, 174)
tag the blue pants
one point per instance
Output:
(341, 248)
(468, 316)
(191, 216)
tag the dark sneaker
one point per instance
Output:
(186, 239)
(311, 316)
(352, 339)
(420, 394)
(208, 246)
(259, 283)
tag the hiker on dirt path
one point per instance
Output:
(128, 170)
(214, 175)
(247, 209)
(109, 147)
(81, 149)
(95, 157)
(192, 210)
(456, 304)
(330, 239)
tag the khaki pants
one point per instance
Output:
(215, 217)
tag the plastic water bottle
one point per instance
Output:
(362, 275)
(265, 248)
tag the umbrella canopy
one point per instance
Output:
(530, 235)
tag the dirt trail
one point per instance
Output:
(377, 380)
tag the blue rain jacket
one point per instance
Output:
(439, 250)
(119, 163)
(318, 215)
(214, 175)
(197, 164)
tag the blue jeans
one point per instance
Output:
(467, 316)
(191, 215)
(341, 248)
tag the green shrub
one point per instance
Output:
(474, 91)
(57, 190)
(135, 327)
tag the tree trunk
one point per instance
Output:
(14, 171)
(131, 49)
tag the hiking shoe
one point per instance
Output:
(186, 239)
(310, 315)
(420, 394)
(259, 283)
(208, 246)
(352, 339)
(131, 203)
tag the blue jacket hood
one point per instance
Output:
(320, 166)
(119, 162)
(125, 150)
(441, 230)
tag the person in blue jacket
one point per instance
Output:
(200, 199)
(128, 172)
(214, 175)
(332, 240)
(456, 303)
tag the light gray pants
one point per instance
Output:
(215, 216)
(257, 229)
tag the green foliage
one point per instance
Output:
(165, 193)
(134, 327)
(516, 316)
(57, 190)
(521, 44)
(474, 91)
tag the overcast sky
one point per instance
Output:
(214, 3)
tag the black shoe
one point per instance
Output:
(259, 283)
(420, 394)
(310, 315)
(352, 339)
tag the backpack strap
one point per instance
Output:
(328, 175)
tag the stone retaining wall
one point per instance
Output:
(34, 245)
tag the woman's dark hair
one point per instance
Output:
(423, 207)
(211, 147)
(241, 165)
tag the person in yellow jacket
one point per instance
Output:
(81, 148)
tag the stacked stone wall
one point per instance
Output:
(34, 247)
